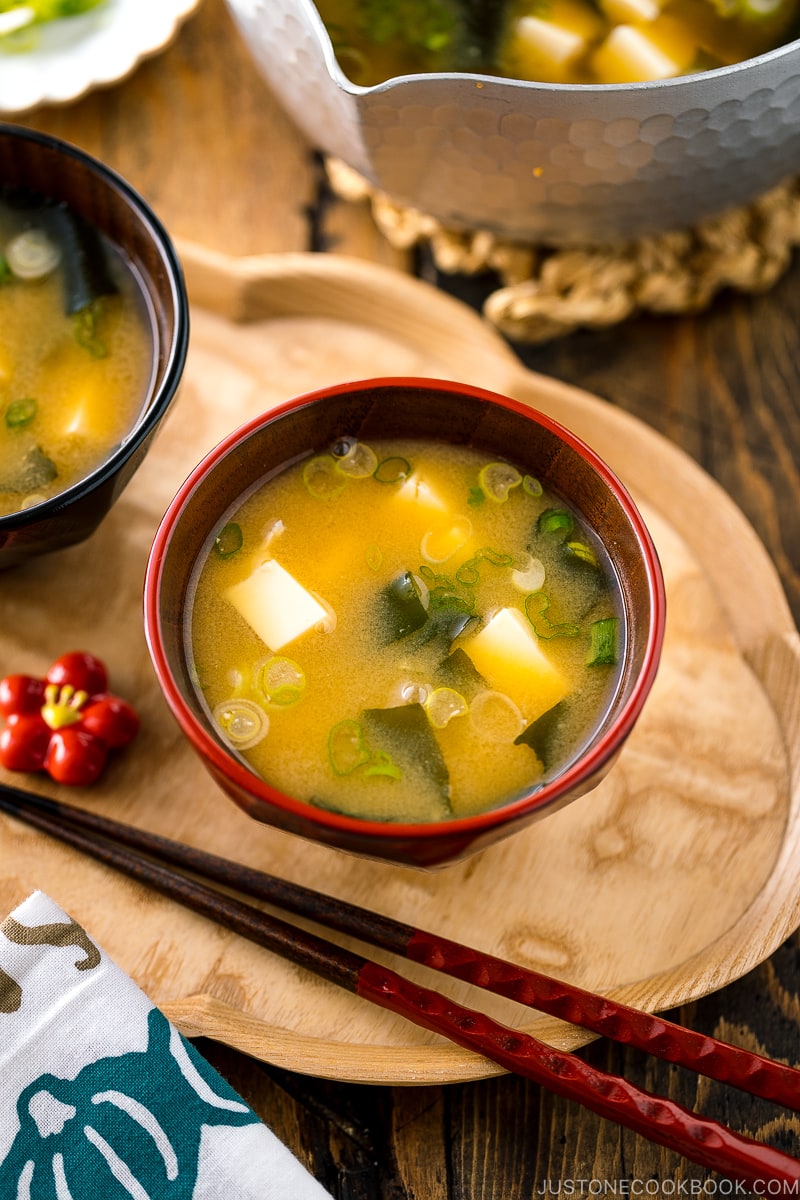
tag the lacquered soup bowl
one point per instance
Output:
(62, 173)
(423, 409)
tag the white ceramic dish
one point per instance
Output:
(75, 54)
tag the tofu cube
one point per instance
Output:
(418, 492)
(631, 55)
(507, 654)
(550, 47)
(631, 12)
(276, 607)
(546, 48)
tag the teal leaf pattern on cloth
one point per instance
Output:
(127, 1127)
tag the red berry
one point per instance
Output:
(24, 742)
(80, 669)
(21, 693)
(74, 756)
(110, 719)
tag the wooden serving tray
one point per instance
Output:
(674, 877)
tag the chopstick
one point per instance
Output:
(699, 1139)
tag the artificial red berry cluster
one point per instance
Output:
(66, 723)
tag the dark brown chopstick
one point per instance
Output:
(660, 1120)
(706, 1055)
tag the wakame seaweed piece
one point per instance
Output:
(458, 671)
(86, 271)
(444, 625)
(405, 733)
(588, 582)
(401, 609)
(541, 734)
(35, 471)
(480, 30)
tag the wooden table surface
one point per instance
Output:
(202, 138)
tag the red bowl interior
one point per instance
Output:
(417, 408)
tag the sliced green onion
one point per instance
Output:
(603, 642)
(359, 461)
(529, 576)
(6, 274)
(444, 597)
(443, 704)
(21, 412)
(536, 606)
(435, 578)
(531, 485)
(495, 717)
(582, 551)
(555, 520)
(475, 497)
(282, 681)
(242, 723)
(496, 557)
(33, 499)
(347, 748)
(468, 574)
(229, 540)
(384, 765)
(322, 478)
(497, 479)
(32, 255)
(392, 470)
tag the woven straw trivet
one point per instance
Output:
(548, 292)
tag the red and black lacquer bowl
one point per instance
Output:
(390, 408)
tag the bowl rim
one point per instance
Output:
(342, 81)
(177, 347)
(383, 832)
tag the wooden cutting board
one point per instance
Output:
(672, 878)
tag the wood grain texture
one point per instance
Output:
(198, 133)
(671, 878)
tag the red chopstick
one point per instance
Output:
(657, 1119)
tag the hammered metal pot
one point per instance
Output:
(552, 163)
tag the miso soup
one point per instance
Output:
(554, 41)
(76, 351)
(404, 631)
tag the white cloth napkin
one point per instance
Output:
(101, 1098)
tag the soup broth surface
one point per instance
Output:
(76, 351)
(404, 631)
(553, 41)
